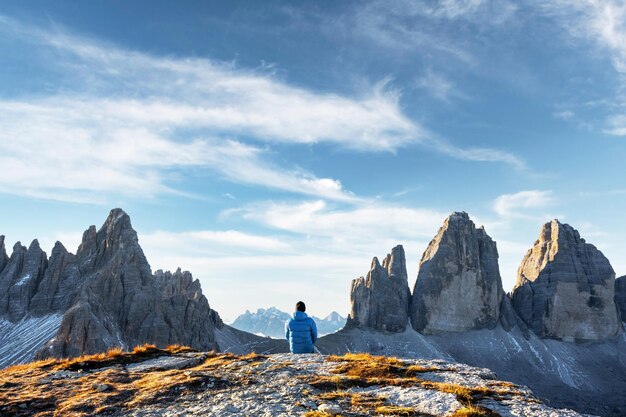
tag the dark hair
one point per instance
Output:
(300, 306)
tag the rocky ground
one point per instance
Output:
(180, 382)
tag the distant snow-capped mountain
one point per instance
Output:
(271, 322)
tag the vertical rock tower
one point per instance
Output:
(381, 300)
(565, 287)
(620, 296)
(458, 286)
(117, 301)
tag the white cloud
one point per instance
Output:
(564, 115)
(319, 219)
(311, 245)
(67, 150)
(516, 205)
(601, 23)
(439, 86)
(416, 25)
(206, 241)
(128, 120)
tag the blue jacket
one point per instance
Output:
(301, 332)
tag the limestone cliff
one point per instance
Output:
(381, 300)
(565, 287)
(458, 286)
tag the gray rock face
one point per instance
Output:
(565, 287)
(381, 300)
(121, 303)
(620, 296)
(104, 296)
(59, 285)
(4, 259)
(20, 278)
(458, 286)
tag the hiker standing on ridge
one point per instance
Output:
(301, 331)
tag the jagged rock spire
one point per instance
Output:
(458, 286)
(381, 300)
(620, 296)
(4, 258)
(20, 279)
(565, 287)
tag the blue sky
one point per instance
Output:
(274, 148)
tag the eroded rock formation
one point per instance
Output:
(620, 296)
(565, 287)
(458, 286)
(381, 300)
(102, 297)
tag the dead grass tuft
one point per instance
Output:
(146, 347)
(60, 387)
(392, 410)
(474, 411)
(418, 369)
(179, 349)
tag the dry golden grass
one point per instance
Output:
(418, 369)
(463, 394)
(146, 347)
(76, 394)
(356, 400)
(317, 414)
(474, 411)
(364, 370)
(366, 357)
(392, 410)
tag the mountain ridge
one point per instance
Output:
(270, 322)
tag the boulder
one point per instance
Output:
(381, 300)
(458, 287)
(565, 287)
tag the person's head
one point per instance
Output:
(300, 306)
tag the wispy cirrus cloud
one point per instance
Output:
(127, 120)
(601, 25)
(67, 150)
(517, 204)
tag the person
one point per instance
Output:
(301, 331)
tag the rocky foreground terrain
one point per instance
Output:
(179, 382)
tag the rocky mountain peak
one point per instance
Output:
(20, 279)
(58, 249)
(18, 247)
(458, 286)
(34, 245)
(381, 300)
(565, 287)
(4, 258)
(620, 296)
(395, 263)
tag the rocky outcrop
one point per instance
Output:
(565, 287)
(458, 286)
(381, 300)
(4, 258)
(620, 296)
(121, 303)
(104, 296)
(60, 283)
(20, 279)
(198, 384)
